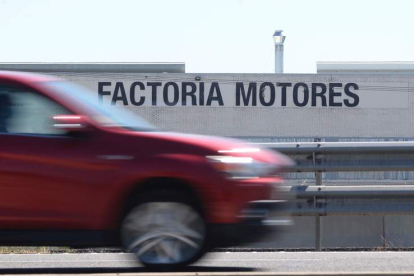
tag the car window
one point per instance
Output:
(27, 112)
(107, 116)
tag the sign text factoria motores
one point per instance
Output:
(243, 94)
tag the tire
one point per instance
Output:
(165, 230)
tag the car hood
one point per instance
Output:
(221, 146)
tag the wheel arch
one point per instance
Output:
(159, 184)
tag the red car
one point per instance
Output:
(74, 172)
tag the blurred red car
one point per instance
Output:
(77, 173)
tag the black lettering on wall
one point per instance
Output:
(251, 93)
(119, 94)
(284, 86)
(215, 88)
(321, 93)
(176, 94)
(305, 92)
(189, 89)
(132, 93)
(349, 93)
(101, 91)
(154, 87)
(333, 94)
(272, 94)
(201, 99)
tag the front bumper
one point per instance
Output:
(236, 195)
(257, 223)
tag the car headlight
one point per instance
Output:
(241, 167)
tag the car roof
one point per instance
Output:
(26, 77)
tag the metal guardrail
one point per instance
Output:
(320, 157)
(347, 156)
(336, 192)
(346, 200)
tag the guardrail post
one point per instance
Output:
(318, 226)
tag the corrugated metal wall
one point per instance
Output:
(275, 122)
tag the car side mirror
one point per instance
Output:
(73, 124)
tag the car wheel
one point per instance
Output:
(164, 231)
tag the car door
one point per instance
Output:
(48, 179)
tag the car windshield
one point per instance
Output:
(105, 115)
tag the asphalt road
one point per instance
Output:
(305, 262)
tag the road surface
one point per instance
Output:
(247, 262)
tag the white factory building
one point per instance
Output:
(365, 67)
(343, 101)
